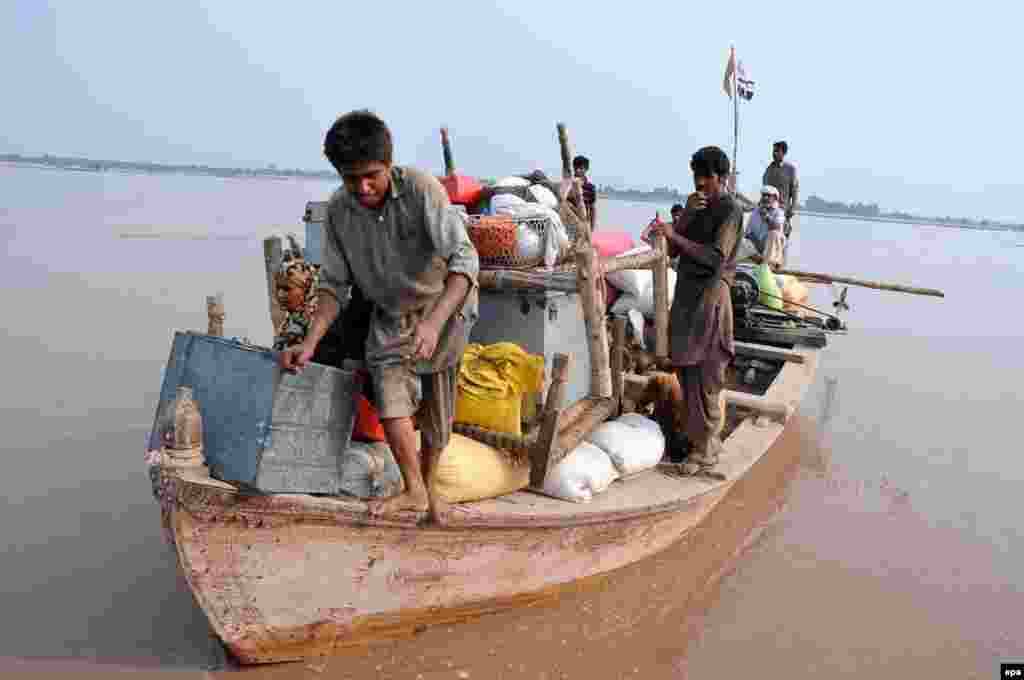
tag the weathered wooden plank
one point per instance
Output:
(596, 412)
(215, 315)
(273, 255)
(543, 448)
(618, 358)
(661, 308)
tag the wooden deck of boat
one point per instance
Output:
(649, 492)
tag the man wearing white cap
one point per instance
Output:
(765, 228)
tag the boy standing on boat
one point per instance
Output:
(391, 231)
(580, 168)
(782, 175)
(700, 322)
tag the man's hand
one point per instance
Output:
(665, 229)
(295, 358)
(424, 341)
(696, 201)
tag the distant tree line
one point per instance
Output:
(872, 211)
(94, 165)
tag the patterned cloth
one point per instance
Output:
(295, 327)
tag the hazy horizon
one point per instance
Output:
(870, 98)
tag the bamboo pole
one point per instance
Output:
(661, 309)
(864, 283)
(591, 296)
(272, 256)
(543, 450)
(215, 315)
(508, 279)
(644, 260)
(446, 149)
(618, 359)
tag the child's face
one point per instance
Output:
(579, 171)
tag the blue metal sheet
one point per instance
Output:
(263, 427)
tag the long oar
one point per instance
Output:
(877, 285)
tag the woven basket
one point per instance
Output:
(495, 238)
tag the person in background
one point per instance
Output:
(782, 175)
(648, 232)
(580, 168)
(700, 321)
(765, 228)
(391, 232)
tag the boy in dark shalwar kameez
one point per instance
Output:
(706, 240)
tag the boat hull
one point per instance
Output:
(290, 589)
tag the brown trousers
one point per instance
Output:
(703, 403)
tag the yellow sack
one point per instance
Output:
(469, 470)
(492, 382)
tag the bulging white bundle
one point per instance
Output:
(581, 475)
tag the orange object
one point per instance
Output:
(494, 236)
(462, 190)
(368, 427)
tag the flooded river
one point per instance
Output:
(881, 537)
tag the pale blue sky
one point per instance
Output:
(911, 105)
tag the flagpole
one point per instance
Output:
(735, 122)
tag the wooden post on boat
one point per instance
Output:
(661, 309)
(215, 315)
(273, 255)
(618, 359)
(541, 454)
(591, 297)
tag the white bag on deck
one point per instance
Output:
(370, 471)
(632, 448)
(644, 302)
(632, 281)
(581, 475)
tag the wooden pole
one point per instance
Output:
(591, 297)
(446, 149)
(877, 285)
(661, 308)
(543, 448)
(272, 256)
(215, 315)
(644, 260)
(618, 359)
(507, 279)
(597, 411)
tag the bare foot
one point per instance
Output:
(439, 511)
(405, 502)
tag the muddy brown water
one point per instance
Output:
(880, 537)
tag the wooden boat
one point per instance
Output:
(287, 576)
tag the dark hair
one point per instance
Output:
(358, 137)
(781, 145)
(677, 206)
(710, 161)
(581, 162)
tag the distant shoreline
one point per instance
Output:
(919, 221)
(70, 164)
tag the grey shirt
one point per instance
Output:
(783, 177)
(400, 256)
